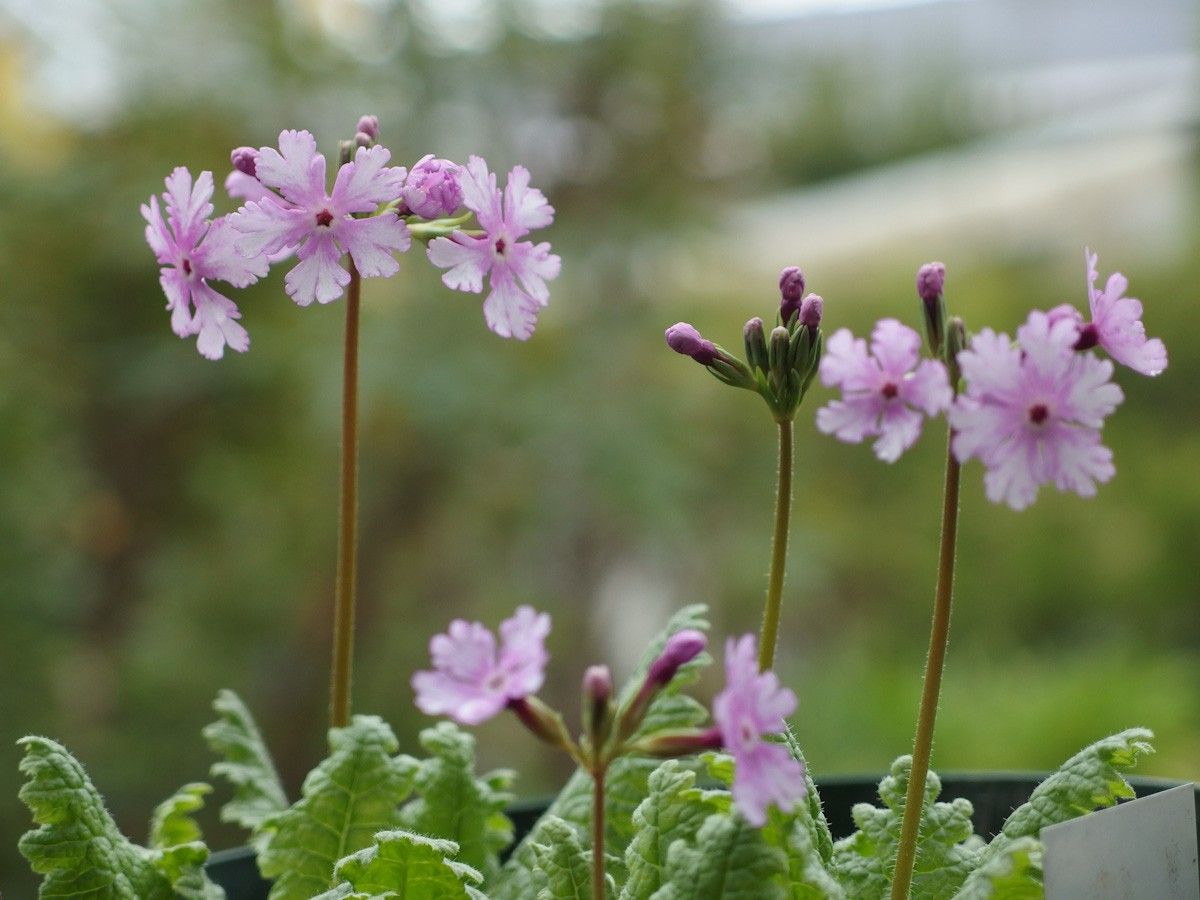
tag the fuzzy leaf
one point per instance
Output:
(172, 823)
(455, 805)
(79, 848)
(1014, 874)
(563, 868)
(354, 793)
(246, 764)
(405, 866)
(727, 860)
(627, 778)
(947, 849)
(812, 816)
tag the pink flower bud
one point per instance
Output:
(685, 339)
(245, 159)
(931, 279)
(681, 647)
(791, 290)
(369, 125)
(811, 309)
(432, 188)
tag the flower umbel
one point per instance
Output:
(470, 681)
(191, 250)
(1032, 413)
(885, 393)
(517, 270)
(753, 705)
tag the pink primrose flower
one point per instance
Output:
(322, 226)
(753, 705)
(885, 393)
(517, 270)
(1032, 413)
(191, 250)
(470, 681)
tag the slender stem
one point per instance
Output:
(769, 634)
(939, 636)
(598, 833)
(347, 560)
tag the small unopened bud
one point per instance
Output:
(671, 744)
(362, 139)
(245, 159)
(432, 189)
(931, 279)
(778, 353)
(597, 706)
(756, 344)
(811, 309)
(791, 290)
(931, 283)
(685, 339)
(346, 151)
(681, 648)
(543, 721)
(956, 343)
(369, 125)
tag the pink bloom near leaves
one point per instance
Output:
(884, 393)
(471, 681)
(1032, 413)
(192, 250)
(517, 270)
(753, 705)
(322, 226)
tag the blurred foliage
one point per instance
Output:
(168, 522)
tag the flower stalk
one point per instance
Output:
(769, 633)
(347, 560)
(598, 830)
(934, 666)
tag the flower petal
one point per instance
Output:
(896, 346)
(188, 205)
(216, 324)
(899, 429)
(845, 363)
(217, 257)
(161, 241)
(534, 265)
(525, 208)
(852, 419)
(508, 310)
(318, 276)
(371, 242)
(481, 196)
(467, 258)
(269, 227)
(366, 182)
(295, 169)
(927, 388)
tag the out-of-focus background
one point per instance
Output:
(167, 523)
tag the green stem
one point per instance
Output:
(769, 634)
(598, 833)
(347, 560)
(938, 638)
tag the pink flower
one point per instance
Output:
(432, 189)
(1033, 412)
(469, 682)
(191, 250)
(752, 705)
(1117, 324)
(322, 226)
(518, 270)
(883, 394)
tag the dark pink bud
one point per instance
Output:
(681, 647)
(362, 139)
(432, 189)
(598, 684)
(931, 279)
(791, 291)
(810, 311)
(245, 159)
(684, 338)
(369, 125)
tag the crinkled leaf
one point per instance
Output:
(405, 866)
(627, 777)
(808, 874)
(246, 764)
(1014, 874)
(947, 848)
(172, 823)
(78, 847)
(453, 804)
(562, 868)
(354, 793)
(812, 817)
(727, 860)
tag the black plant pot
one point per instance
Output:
(994, 796)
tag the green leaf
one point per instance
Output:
(674, 809)
(352, 794)
(172, 823)
(453, 804)
(808, 873)
(812, 816)
(247, 765)
(627, 778)
(79, 848)
(727, 860)
(405, 866)
(1014, 874)
(563, 868)
(947, 848)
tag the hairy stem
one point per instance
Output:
(347, 560)
(938, 638)
(598, 833)
(768, 636)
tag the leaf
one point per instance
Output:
(812, 817)
(563, 868)
(79, 848)
(674, 809)
(809, 877)
(727, 860)
(247, 765)
(947, 849)
(172, 823)
(627, 777)
(453, 804)
(401, 864)
(1014, 874)
(351, 795)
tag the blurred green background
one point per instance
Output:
(167, 523)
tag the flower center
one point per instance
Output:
(747, 732)
(500, 245)
(889, 390)
(187, 266)
(1038, 413)
(325, 218)
(496, 681)
(1088, 337)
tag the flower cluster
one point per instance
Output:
(372, 212)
